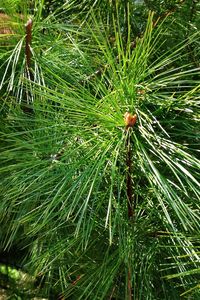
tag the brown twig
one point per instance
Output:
(28, 71)
(28, 26)
(128, 178)
(130, 121)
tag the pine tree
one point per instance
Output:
(99, 155)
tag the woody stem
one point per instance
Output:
(29, 25)
(28, 72)
(128, 177)
(129, 192)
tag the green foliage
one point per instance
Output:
(64, 166)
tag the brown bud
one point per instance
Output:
(130, 120)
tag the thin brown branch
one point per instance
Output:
(130, 121)
(28, 25)
(129, 190)
(28, 71)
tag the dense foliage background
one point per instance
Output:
(92, 205)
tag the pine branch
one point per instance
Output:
(28, 72)
(130, 121)
(28, 26)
